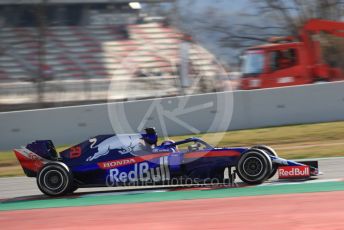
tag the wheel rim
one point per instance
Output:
(253, 166)
(270, 152)
(53, 180)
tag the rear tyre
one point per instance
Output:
(271, 152)
(55, 180)
(254, 167)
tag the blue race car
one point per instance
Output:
(137, 159)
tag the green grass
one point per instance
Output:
(293, 142)
(322, 132)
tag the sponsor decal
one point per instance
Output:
(30, 160)
(141, 172)
(34, 156)
(287, 172)
(75, 152)
(116, 163)
(31, 155)
(124, 145)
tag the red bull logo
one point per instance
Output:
(141, 172)
(287, 172)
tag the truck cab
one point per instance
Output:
(275, 65)
(287, 61)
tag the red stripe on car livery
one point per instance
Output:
(212, 154)
(287, 172)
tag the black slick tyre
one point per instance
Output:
(254, 167)
(271, 152)
(55, 180)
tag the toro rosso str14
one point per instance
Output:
(137, 159)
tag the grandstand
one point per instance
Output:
(65, 43)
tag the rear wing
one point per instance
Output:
(30, 161)
(35, 155)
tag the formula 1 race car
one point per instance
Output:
(136, 159)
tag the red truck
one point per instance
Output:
(287, 61)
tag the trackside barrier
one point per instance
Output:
(206, 113)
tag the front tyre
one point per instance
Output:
(271, 152)
(55, 180)
(254, 167)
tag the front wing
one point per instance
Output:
(288, 169)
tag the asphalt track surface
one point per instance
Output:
(17, 187)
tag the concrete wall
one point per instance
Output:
(180, 115)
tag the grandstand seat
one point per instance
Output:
(99, 51)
